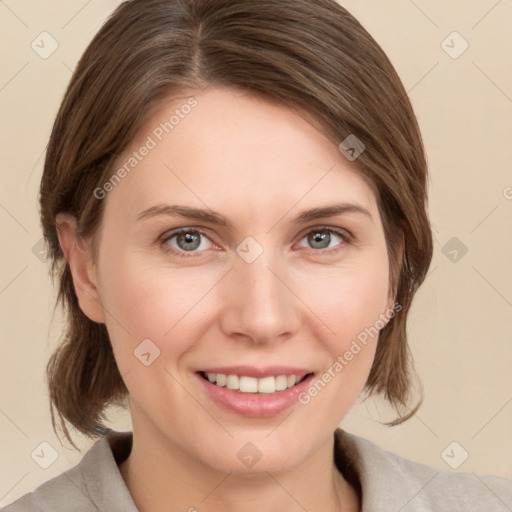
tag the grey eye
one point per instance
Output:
(188, 240)
(319, 239)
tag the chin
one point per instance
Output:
(254, 454)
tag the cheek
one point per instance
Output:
(353, 303)
(152, 303)
(351, 298)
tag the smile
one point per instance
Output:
(247, 384)
(254, 392)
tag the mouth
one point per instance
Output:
(254, 392)
(247, 384)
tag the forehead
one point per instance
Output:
(225, 148)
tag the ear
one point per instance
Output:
(78, 255)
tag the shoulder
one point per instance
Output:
(94, 484)
(390, 482)
(66, 491)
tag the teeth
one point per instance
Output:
(281, 382)
(247, 384)
(267, 385)
(232, 382)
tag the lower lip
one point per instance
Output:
(252, 405)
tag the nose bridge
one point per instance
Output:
(260, 306)
(260, 281)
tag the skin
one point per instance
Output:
(258, 164)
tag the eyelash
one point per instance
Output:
(346, 237)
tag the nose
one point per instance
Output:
(259, 302)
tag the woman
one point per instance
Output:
(234, 196)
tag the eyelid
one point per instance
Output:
(343, 232)
(176, 231)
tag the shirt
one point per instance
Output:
(386, 482)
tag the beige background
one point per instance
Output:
(461, 324)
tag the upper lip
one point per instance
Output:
(257, 372)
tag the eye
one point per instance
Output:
(187, 240)
(324, 238)
(190, 242)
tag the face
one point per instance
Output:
(240, 254)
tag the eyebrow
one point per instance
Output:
(216, 218)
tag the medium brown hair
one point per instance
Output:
(310, 55)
